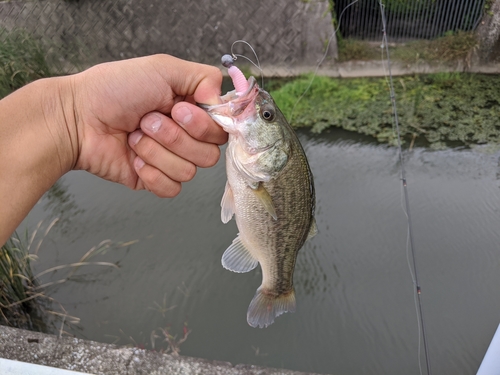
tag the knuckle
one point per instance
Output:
(172, 136)
(215, 72)
(160, 185)
(172, 190)
(188, 172)
(151, 178)
(149, 152)
(212, 157)
(201, 132)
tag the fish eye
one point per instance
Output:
(267, 114)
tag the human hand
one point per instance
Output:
(90, 121)
(137, 123)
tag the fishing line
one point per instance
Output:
(410, 246)
(406, 208)
(257, 65)
(235, 57)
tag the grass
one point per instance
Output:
(22, 60)
(448, 48)
(24, 302)
(355, 50)
(441, 108)
(19, 298)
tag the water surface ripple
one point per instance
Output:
(356, 311)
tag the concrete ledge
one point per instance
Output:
(106, 359)
(374, 68)
(10, 367)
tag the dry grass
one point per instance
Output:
(24, 302)
(448, 48)
(17, 284)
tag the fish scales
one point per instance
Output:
(279, 238)
(270, 191)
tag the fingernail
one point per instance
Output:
(184, 115)
(138, 163)
(151, 123)
(135, 137)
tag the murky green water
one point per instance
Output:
(356, 311)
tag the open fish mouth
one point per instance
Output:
(235, 106)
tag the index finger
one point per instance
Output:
(198, 124)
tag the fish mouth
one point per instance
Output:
(235, 97)
(234, 106)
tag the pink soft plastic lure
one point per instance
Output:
(240, 83)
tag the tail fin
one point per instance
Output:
(265, 307)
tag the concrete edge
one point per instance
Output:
(106, 359)
(375, 68)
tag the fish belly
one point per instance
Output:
(274, 243)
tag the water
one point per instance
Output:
(356, 310)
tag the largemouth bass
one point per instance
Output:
(270, 191)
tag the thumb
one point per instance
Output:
(186, 78)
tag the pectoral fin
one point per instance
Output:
(264, 198)
(227, 204)
(237, 258)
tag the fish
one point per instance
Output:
(269, 191)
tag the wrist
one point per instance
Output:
(38, 144)
(57, 106)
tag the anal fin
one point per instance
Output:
(237, 258)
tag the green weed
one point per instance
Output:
(22, 60)
(440, 108)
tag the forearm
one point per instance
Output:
(38, 144)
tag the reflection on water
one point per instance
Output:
(355, 303)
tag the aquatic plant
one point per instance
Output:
(172, 342)
(439, 108)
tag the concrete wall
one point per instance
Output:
(106, 359)
(488, 33)
(285, 33)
